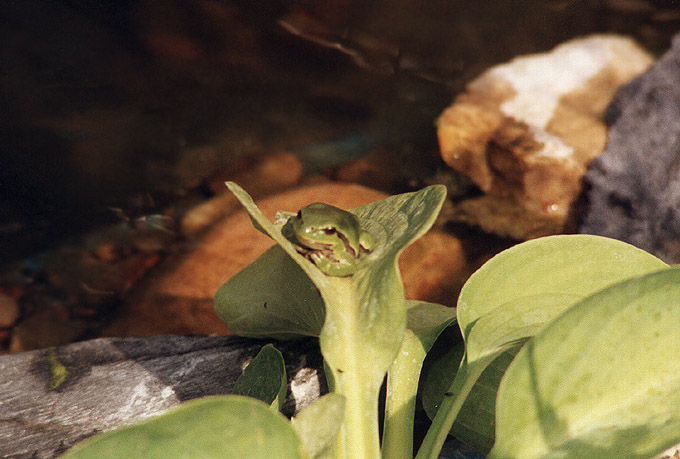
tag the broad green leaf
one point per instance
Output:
(318, 425)
(570, 265)
(518, 292)
(475, 424)
(211, 427)
(601, 380)
(330, 381)
(365, 313)
(264, 378)
(438, 372)
(425, 322)
(271, 298)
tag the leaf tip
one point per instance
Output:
(440, 191)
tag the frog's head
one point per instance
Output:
(322, 226)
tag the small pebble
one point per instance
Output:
(106, 252)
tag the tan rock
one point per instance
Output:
(9, 310)
(525, 131)
(178, 299)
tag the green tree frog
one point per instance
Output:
(329, 237)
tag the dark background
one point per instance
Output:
(132, 104)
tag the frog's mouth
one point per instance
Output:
(348, 247)
(312, 254)
(326, 250)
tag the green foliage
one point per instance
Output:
(319, 423)
(264, 378)
(517, 293)
(425, 322)
(601, 380)
(271, 298)
(210, 427)
(590, 320)
(476, 420)
(365, 314)
(58, 371)
(566, 267)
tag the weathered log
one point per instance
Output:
(53, 398)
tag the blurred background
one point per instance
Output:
(116, 110)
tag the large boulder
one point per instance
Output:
(633, 188)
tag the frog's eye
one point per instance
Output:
(329, 231)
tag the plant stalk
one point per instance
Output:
(355, 375)
(462, 384)
(358, 436)
(400, 401)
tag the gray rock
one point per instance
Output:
(633, 188)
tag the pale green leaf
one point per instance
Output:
(425, 322)
(571, 265)
(318, 425)
(519, 291)
(600, 381)
(211, 427)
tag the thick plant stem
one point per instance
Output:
(448, 411)
(358, 436)
(355, 375)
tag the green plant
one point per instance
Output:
(569, 288)
(568, 304)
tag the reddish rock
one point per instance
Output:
(178, 299)
(434, 268)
